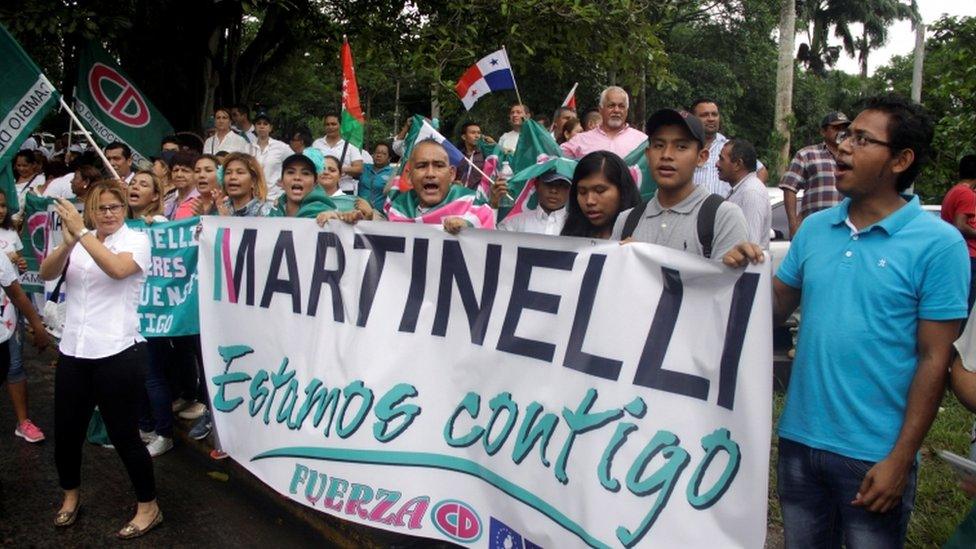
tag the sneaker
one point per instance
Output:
(180, 404)
(216, 454)
(159, 445)
(201, 428)
(193, 411)
(147, 436)
(29, 432)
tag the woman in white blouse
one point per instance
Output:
(103, 357)
(224, 138)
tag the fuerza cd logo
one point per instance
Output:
(456, 520)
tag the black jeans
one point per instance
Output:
(116, 384)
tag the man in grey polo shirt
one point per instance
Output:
(681, 215)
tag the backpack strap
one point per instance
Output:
(706, 223)
(633, 218)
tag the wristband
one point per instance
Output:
(83, 232)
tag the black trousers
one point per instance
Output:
(116, 384)
(4, 360)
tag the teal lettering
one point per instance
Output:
(259, 393)
(471, 403)
(298, 477)
(714, 443)
(354, 389)
(579, 422)
(501, 402)
(278, 381)
(530, 433)
(662, 481)
(228, 355)
(390, 408)
(310, 487)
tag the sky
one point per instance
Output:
(901, 36)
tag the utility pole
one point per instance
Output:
(919, 62)
(784, 78)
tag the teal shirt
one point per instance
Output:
(371, 184)
(863, 295)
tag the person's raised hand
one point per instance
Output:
(743, 254)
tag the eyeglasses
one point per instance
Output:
(859, 140)
(113, 208)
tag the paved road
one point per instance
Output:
(198, 509)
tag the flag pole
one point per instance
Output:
(67, 149)
(345, 142)
(88, 136)
(517, 94)
(483, 174)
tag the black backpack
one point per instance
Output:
(706, 222)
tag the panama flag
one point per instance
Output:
(493, 72)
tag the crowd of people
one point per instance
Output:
(883, 287)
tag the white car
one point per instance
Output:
(779, 240)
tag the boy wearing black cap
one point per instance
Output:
(552, 191)
(681, 215)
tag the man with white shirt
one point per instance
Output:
(270, 153)
(516, 115)
(334, 145)
(706, 175)
(119, 155)
(737, 166)
(552, 192)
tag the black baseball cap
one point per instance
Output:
(835, 118)
(552, 176)
(674, 117)
(262, 115)
(298, 159)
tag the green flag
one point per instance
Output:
(25, 97)
(636, 160)
(534, 143)
(113, 108)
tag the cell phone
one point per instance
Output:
(963, 467)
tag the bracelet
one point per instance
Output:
(83, 232)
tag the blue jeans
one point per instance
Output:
(17, 373)
(157, 405)
(815, 490)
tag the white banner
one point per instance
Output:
(494, 389)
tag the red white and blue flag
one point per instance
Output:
(492, 73)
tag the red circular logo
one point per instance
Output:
(457, 520)
(117, 97)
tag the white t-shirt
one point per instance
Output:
(966, 345)
(270, 159)
(230, 143)
(101, 314)
(8, 313)
(10, 241)
(60, 187)
(353, 154)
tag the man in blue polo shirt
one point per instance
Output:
(883, 289)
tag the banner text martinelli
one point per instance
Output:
(493, 389)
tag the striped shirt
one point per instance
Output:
(812, 171)
(706, 175)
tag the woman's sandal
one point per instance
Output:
(66, 518)
(131, 531)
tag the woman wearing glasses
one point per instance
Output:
(102, 356)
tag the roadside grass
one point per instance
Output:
(939, 504)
